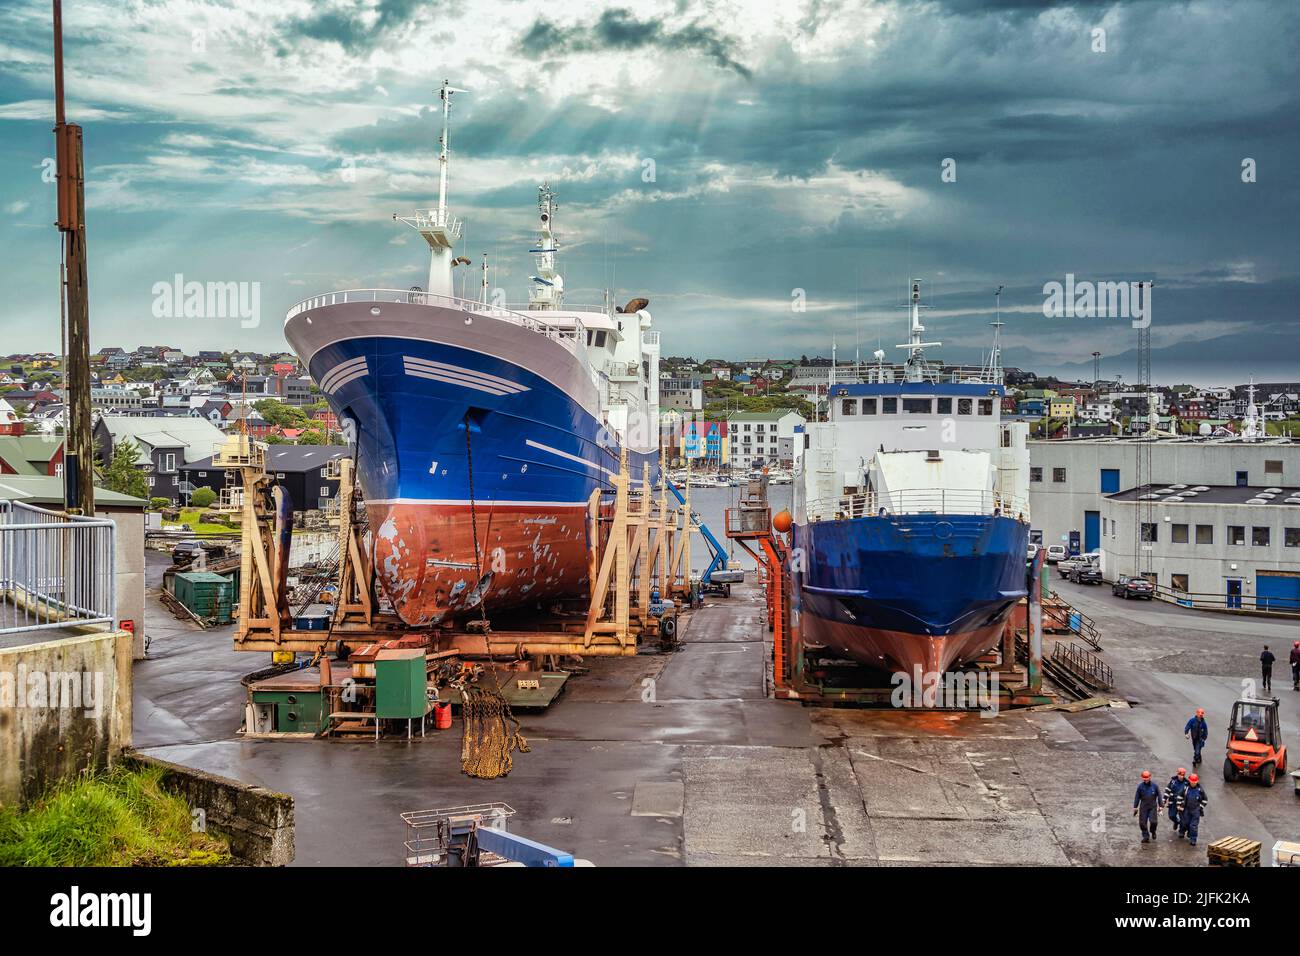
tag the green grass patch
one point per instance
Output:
(190, 519)
(119, 818)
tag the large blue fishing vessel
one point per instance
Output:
(482, 430)
(911, 517)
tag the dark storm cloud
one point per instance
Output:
(619, 29)
(347, 29)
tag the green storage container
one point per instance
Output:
(296, 712)
(400, 684)
(208, 595)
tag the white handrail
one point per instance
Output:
(571, 338)
(940, 501)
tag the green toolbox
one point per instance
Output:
(400, 684)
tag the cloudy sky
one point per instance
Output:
(713, 156)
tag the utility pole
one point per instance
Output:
(78, 455)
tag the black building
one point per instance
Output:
(301, 469)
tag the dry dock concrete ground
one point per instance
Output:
(674, 759)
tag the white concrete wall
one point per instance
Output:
(1208, 566)
(1058, 508)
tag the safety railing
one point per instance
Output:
(939, 501)
(931, 372)
(56, 570)
(1255, 604)
(1083, 664)
(571, 338)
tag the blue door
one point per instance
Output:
(1277, 591)
(1243, 479)
(1109, 481)
(1234, 592)
(1091, 530)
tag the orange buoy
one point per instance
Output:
(782, 522)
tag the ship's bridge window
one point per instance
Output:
(868, 406)
(600, 339)
(965, 406)
(986, 406)
(848, 406)
(917, 406)
(945, 406)
(889, 406)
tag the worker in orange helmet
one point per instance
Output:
(1199, 731)
(1194, 801)
(1146, 806)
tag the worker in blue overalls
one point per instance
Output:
(1146, 806)
(1199, 731)
(1173, 796)
(1194, 802)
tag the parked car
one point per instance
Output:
(1032, 551)
(1085, 572)
(1127, 586)
(1055, 553)
(188, 549)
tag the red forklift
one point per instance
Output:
(1255, 747)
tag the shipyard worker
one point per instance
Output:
(1295, 666)
(1174, 796)
(1194, 802)
(1199, 731)
(1146, 806)
(1266, 666)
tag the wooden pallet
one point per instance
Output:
(1234, 851)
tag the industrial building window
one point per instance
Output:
(1236, 534)
(325, 491)
(868, 406)
(965, 406)
(1259, 537)
(1178, 582)
(1272, 466)
(1178, 534)
(1150, 531)
(1291, 538)
(889, 406)
(848, 406)
(945, 406)
(1058, 475)
(1205, 534)
(1035, 474)
(986, 406)
(917, 406)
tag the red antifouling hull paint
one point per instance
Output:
(428, 565)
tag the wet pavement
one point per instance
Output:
(669, 759)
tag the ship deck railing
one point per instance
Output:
(934, 373)
(573, 338)
(916, 501)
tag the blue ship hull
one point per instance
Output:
(478, 451)
(901, 591)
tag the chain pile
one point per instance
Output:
(491, 732)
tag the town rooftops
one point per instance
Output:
(1212, 494)
(199, 437)
(23, 453)
(288, 457)
(47, 491)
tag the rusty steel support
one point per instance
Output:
(78, 452)
(1035, 675)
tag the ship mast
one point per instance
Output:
(916, 346)
(438, 227)
(994, 371)
(547, 291)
